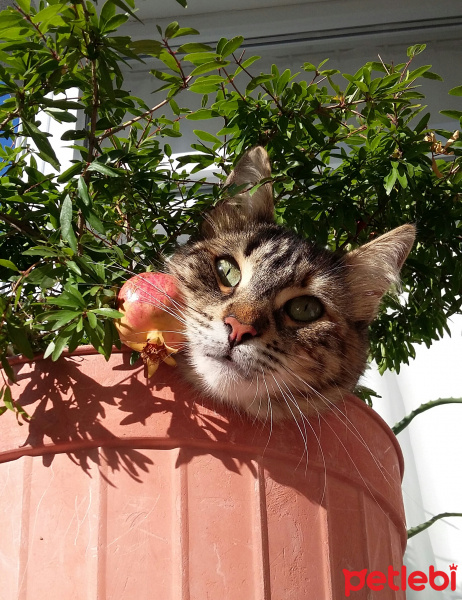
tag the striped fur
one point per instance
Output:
(289, 367)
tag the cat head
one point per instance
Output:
(275, 325)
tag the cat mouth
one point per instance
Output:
(229, 363)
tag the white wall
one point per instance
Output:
(432, 447)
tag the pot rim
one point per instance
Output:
(88, 349)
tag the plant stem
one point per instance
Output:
(418, 528)
(422, 408)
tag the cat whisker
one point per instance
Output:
(306, 419)
(387, 476)
(310, 360)
(332, 405)
(269, 409)
(304, 435)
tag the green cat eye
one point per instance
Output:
(304, 308)
(228, 271)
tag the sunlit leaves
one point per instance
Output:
(66, 220)
(413, 51)
(456, 91)
(41, 141)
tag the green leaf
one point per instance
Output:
(65, 219)
(92, 320)
(62, 300)
(9, 22)
(418, 72)
(402, 177)
(62, 104)
(231, 46)
(110, 313)
(415, 50)
(83, 191)
(207, 137)
(7, 398)
(41, 141)
(74, 267)
(61, 116)
(200, 58)
(202, 113)
(24, 5)
(361, 85)
(48, 14)
(134, 358)
(258, 80)
(74, 134)
(431, 75)
(7, 368)
(310, 67)
(246, 64)
(174, 106)
(69, 173)
(183, 3)
(19, 338)
(206, 87)
(194, 47)
(71, 289)
(109, 334)
(8, 264)
(49, 349)
(152, 47)
(115, 22)
(108, 11)
(171, 29)
(452, 114)
(103, 169)
(41, 251)
(170, 132)
(63, 317)
(185, 31)
(60, 344)
(169, 61)
(209, 66)
(422, 124)
(390, 180)
(456, 91)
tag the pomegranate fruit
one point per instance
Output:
(151, 322)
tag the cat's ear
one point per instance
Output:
(233, 212)
(374, 267)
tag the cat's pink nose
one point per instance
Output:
(239, 331)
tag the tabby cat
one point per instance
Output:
(275, 325)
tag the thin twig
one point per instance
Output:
(422, 408)
(418, 528)
(37, 28)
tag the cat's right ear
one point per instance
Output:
(233, 212)
(374, 267)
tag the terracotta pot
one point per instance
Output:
(119, 489)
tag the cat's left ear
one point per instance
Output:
(374, 267)
(233, 212)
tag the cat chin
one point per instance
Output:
(226, 382)
(219, 375)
